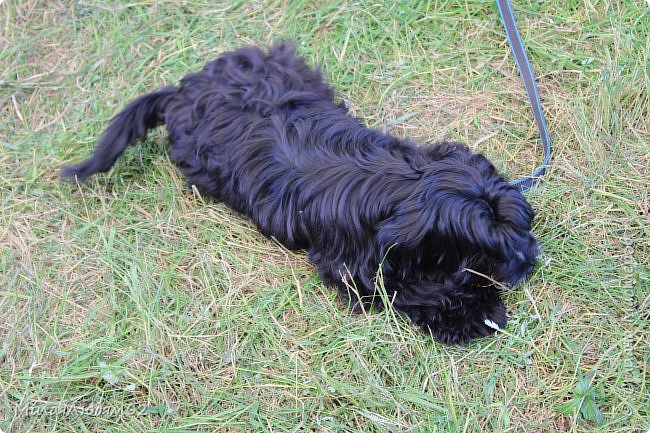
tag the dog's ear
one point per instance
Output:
(407, 228)
(455, 221)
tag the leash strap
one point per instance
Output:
(526, 72)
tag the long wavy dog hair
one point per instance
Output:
(261, 131)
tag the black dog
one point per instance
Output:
(261, 132)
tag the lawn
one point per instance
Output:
(131, 303)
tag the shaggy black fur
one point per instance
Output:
(261, 132)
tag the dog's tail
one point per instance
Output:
(131, 124)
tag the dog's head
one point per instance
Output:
(463, 214)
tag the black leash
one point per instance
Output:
(526, 72)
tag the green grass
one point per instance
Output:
(168, 312)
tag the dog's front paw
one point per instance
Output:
(463, 322)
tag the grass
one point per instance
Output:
(129, 303)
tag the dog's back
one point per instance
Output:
(246, 85)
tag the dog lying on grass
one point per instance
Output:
(261, 131)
